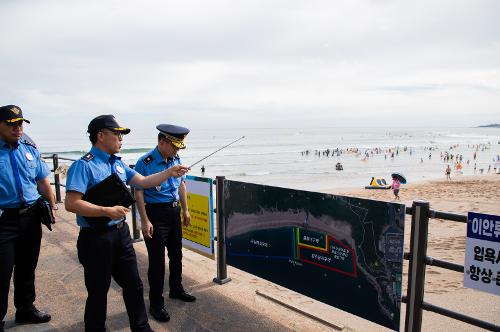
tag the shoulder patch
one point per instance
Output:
(148, 159)
(88, 157)
(29, 142)
(25, 139)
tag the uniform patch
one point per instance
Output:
(148, 159)
(120, 169)
(88, 157)
(172, 159)
(29, 156)
(29, 142)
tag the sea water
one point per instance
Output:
(276, 156)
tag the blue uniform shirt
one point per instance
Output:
(20, 169)
(152, 162)
(91, 169)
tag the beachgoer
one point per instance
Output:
(107, 251)
(202, 170)
(395, 187)
(448, 172)
(23, 178)
(160, 211)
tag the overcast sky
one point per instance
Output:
(252, 63)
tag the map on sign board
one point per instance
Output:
(343, 251)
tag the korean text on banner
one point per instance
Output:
(198, 236)
(482, 253)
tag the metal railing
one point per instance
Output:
(418, 259)
(57, 180)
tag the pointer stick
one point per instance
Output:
(225, 146)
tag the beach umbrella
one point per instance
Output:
(399, 176)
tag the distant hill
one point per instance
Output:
(493, 125)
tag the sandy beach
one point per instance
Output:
(245, 303)
(446, 240)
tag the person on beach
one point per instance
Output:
(160, 211)
(107, 251)
(395, 187)
(23, 180)
(448, 172)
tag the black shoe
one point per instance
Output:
(32, 315)
(1, 326)
(183, 296)
(160, 314)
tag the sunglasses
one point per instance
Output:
(14, 124)
(116, 133)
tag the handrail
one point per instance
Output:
(419, 260)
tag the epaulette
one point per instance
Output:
(173, 159)
(25, 139)
(88, 157)
(148, 159)
(30, 143)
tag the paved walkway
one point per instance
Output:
(61, 292)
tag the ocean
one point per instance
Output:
(277, 156)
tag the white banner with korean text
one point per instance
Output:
(482, 253)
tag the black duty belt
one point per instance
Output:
(100, 228)
(164, 204)
(118, 226)
(17, 211)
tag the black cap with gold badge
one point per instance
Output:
(12, 113)
(174, 134)
(106, 122)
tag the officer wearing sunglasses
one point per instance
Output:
(23, 179)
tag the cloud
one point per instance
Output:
(257, 63)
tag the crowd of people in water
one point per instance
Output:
(450, 156)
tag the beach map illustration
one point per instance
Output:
(343, 251)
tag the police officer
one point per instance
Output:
(23, 177)
(160, 210)
(107, 252)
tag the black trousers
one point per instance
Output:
(20, 237)
(167, 232)
(104, 254)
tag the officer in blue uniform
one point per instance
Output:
(160, 210)
(107, 251)
(23, 177)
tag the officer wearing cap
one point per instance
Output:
(160, 210)
(107, 251)
(23, 177)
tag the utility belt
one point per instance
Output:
(173, 204)
(17, 212)
(101, 228)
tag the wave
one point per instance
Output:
(82, 152)
(252, 173)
